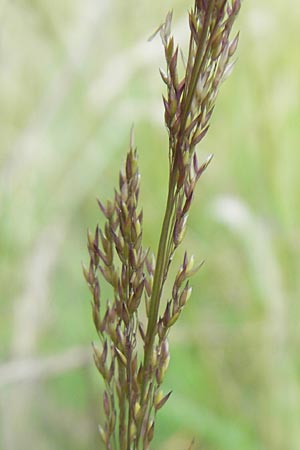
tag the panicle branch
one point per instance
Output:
(189, 104)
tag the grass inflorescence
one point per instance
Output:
(133, 326)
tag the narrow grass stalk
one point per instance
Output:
(157, 285)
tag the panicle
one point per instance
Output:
(133, 325)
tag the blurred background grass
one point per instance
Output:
(74, 76)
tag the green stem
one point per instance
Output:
(129, 403)
(128, 356)
(156, 295)
(157, 284)
(122, 409)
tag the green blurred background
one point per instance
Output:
(74, 76)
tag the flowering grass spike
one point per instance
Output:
(133, 326)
